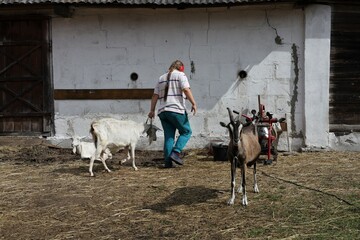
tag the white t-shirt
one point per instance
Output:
(176, 98)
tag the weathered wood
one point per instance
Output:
(25, 84)
(97, 94)
(344, 128)
(344, 102)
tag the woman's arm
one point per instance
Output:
(154, 100)
(190, 97)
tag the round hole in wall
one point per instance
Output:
(134, 76)
(242, 74)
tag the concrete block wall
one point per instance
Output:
(101, 48)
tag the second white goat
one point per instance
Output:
(87, 150)
(115, 134)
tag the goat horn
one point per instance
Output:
(231, 116)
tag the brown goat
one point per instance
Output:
(244, 148)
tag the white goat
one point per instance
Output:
(87, 150)
(115, 134)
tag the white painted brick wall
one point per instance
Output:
(101, 48)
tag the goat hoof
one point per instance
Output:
(230, 202)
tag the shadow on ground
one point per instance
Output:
(185, 196)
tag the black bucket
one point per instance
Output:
(220, 152)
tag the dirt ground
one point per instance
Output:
(47, 193)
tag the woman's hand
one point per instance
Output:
(194, 109)
(154, 100)
(190, 97)
(151, 114)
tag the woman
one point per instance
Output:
(171, 90)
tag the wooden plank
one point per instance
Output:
(345, 98)
(344, 128)
(97, 94)
(344, 118)
(344, 112)
(25, 114)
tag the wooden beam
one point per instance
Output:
(98, 94)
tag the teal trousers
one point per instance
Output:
(171, 122)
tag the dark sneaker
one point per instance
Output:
(174, 156)
(169, 166)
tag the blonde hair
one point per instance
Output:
(174, 65)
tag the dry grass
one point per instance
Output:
(46, 193)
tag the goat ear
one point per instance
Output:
(223, 124)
